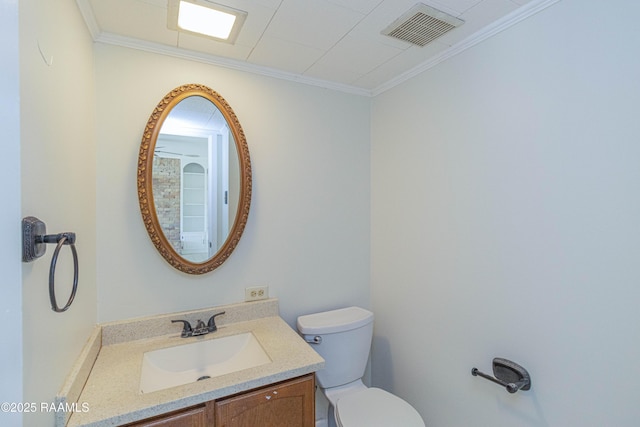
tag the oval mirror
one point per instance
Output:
(194, 179)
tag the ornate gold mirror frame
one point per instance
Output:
(145, 180)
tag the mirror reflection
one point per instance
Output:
(195, 178)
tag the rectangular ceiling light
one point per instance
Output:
(205, 18)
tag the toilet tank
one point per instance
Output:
(345, 340)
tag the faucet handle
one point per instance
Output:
(212, 322)
(200, 329)
(187, 331)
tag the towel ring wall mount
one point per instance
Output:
(34, 245)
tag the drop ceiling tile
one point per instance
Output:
(272, 4)
(452, 7)
(142, 20)
(362, 6)
(477, 18)
(258, 18)
(343, 75)
(403, 62)
(488, 11)
(355, 54)
(315, 23)
(386, 12)
(284, 55)
(209, 46)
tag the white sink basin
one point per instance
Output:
(187, 363)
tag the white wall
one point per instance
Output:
(58, 181)
(308, 231)
(505, 216)
(10, 255)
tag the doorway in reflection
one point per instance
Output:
(191, 192)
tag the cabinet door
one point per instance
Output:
(288, 404)
(192, 417)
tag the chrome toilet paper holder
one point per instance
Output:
(508, 374)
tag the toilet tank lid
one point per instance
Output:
(328, 322)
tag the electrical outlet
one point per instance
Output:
(256, 293)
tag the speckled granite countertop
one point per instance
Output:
(111, 395)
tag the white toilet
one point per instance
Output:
(343, 338)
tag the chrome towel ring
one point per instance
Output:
(34, 240)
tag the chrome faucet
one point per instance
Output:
(200, 328)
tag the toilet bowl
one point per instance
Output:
(343, 338)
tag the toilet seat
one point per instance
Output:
(374, 407)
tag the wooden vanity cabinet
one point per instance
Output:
(290, 403)
(287, 404)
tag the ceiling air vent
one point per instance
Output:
(422, 24)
